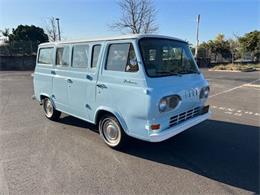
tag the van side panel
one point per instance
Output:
(124, 93)
(91, 80)
(43, 78)
(60, 89)
(42, 81)
(128, 100)
(78, 91)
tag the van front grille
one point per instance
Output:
(177, 119)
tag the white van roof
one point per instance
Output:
(121, 37)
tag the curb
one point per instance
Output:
(225, 70)
(232, 70)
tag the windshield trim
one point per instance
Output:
(166, 75)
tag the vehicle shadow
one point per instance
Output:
(70, 120)
(222, 151)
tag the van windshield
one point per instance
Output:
(166, 57)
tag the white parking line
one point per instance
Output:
(234, 88)
(236, 112)
(252, 85)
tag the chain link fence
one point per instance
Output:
(18, 55)
(19, 48)
(16, 52)
(207, 59)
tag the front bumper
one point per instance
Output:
(172, 131)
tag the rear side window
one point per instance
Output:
(62, 56)
(95, 55)
(80, 56)
(45, 56)
(121, 57)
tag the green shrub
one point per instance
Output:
(237, 67)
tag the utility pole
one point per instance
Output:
(58, 24)
(197, 37)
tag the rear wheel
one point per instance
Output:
(49, 110)
(111, 132)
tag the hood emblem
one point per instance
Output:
(191, 93)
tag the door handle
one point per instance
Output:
(69, 80)
(53, 72)
(89, 77)
(102, 86)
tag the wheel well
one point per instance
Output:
(42, 97)
(102, 113)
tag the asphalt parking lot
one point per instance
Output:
(220, 155)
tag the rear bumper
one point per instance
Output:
(168, 133)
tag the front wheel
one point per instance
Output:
(49, 110)
(111, 132)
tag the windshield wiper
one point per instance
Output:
(169, 73)
(189, 72)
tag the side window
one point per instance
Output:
(121, 57)
(80, 56)
(95, 55)
(62, 56)
(152, 54)
(45, 56)
(132, 65)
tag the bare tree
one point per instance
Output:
(51, 29)
(138, 16)
(5, 32)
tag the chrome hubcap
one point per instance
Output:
(111, 131)
(48, 108)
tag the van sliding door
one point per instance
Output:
(61, 78)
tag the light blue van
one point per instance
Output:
(144, 86)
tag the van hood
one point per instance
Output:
(186, 86)
(176, 83)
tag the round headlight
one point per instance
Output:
(169, 103)
(163, 105)
(204, 92)
(173, 101)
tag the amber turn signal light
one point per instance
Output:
(155, 126)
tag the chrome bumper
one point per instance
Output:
(172, 131)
